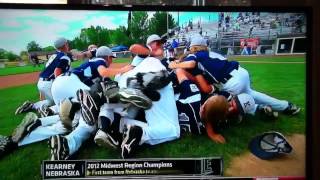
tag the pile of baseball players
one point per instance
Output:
(150, 101)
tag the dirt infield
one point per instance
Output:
(290, 165)
(18, 80)
(29, 78)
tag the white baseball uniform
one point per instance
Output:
(162, 118)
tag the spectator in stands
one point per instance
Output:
(175, 45)
(251, 30)
(245, 48)
(298, 24)
(237, 26)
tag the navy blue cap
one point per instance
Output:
(269, 145)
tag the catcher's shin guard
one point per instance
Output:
(89, 106)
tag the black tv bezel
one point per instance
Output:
(308, 11)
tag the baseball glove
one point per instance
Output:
(139, 49)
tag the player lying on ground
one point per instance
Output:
(33, 129)
(57, 64)
(82, 131)
(227, 75)
(200, 114)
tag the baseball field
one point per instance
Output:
(283, 77)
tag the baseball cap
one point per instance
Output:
(198, 41)
(245, 104)
(59, 42)
(269, 145)
(104, 51)
(154, 37)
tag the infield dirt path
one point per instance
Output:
(29, 78)
(248, 165)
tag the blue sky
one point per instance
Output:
(18, 27)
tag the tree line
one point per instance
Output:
(139, 26)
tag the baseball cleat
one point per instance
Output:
(89, 107)
(59, 148)
(6, 145)
(292, 109)
(131, 139)
(22, 129)
(106, 139)
(25, 107)
(135, 97)
(45, 111)
(267, 110)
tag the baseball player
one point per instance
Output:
(33, 129)
(162, 118)
(89, 54)
(57, 64)
(76, 83)
(70, 83)
(227, 76)
(199, 113)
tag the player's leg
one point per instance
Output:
(31, 130)
(108, 128)
(44, 88)
(61, 147)
(188, 106)
(240, 83)
(81, 133)
(44, 132)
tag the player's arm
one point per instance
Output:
(109, 72)
(62, 67)
(218, 138)
(203, 84)
(57, 72)
(183, 65)
(189, 62)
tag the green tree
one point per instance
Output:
(92, 35)
(11, 56)
(48, 49)
(138, 26)
(158, 23)
(33, 46)
(119, 37)
(2, 54)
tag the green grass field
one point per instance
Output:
(29, 68)
(284, 81)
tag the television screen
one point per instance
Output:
(92, 92)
